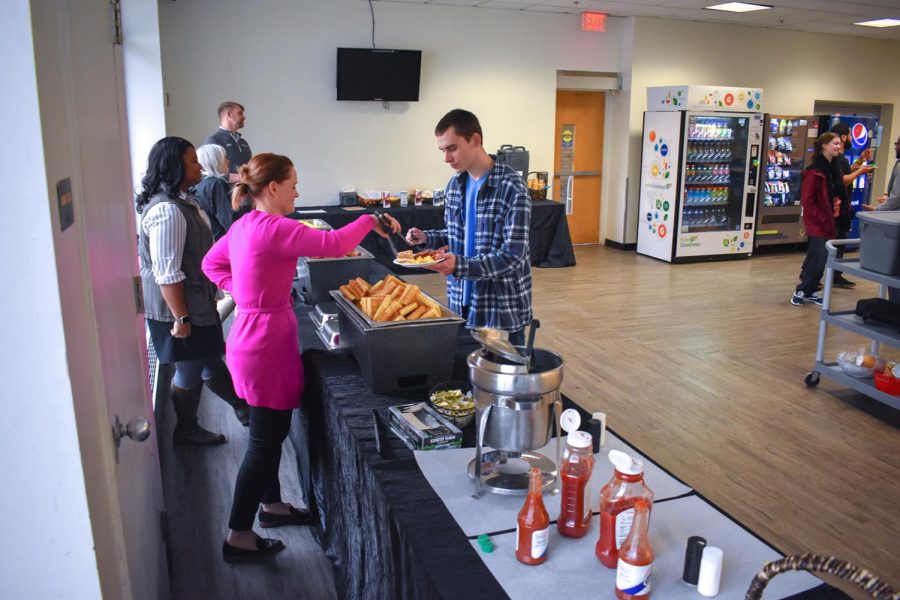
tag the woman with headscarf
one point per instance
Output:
(820, 200)
(214, 192)
(179, 300)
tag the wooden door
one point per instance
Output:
(579, 154)
(115, 351)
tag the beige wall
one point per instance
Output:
(278, 58)
(668, 52)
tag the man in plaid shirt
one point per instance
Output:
(488, 217)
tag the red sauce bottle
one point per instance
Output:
(575, 472)
(635, 557)
(533, 524)
(617, 500)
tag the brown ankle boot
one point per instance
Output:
(222, 386)
(187, 430)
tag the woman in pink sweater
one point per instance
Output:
(255, 261)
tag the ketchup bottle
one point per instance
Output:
(575, 500)
(617, 500)
(533, 524)
(635, 557)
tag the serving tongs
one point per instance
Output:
(386, 225)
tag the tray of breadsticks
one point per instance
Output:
(391, 302)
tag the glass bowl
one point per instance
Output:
(461, 417)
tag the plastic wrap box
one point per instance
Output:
(879, 245)
(399, 355)
(318, 276)
(422, 428)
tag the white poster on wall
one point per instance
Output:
(660, 159)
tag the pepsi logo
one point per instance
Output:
(859, 135)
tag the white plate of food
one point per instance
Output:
(414, 260)
(415, 263)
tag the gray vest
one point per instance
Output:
(199, 291)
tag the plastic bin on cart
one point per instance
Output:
(879, 247)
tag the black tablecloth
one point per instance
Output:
(387, 532)
(550, 243)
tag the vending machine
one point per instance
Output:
(788, 146)
(700, 161)
(864, 134)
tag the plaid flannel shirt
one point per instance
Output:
(501, 267)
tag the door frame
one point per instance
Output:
(610, 83)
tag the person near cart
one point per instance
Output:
(820, 199)
(847, 174)
(179, 300)
(255, 261)
(488, 218)
(890, 200)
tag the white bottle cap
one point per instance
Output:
(579, 439)
(570, 420)
(625, 464)
(710, 572)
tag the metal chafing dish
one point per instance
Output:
(399, 354)
(317, 276)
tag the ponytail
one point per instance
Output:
(257, 174)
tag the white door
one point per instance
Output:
(82, 94)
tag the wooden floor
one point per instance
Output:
(701, 366)
(198, 484)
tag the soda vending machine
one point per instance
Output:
(788, 147)
(864, 134)
(700, 160)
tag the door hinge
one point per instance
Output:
(138, 294)
(117, 22)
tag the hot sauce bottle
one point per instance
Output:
(533, 524)
(635, 557)
(617, 500)
(575, 500)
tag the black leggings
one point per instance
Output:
(257, 479)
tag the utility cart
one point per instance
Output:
(848, 320)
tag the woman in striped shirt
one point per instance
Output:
(179, 300)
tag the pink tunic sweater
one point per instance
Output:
(256, 261)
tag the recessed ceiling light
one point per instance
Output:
(880, 23)
(739, 7)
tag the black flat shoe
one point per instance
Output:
(265, 547)
(297, 517)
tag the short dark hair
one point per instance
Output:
(465, 123)
(228, 106)
(165, 170)
(840, 129)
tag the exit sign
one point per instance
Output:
(593, 21)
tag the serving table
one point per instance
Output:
(385, 528)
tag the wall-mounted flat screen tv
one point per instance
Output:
(386, 75)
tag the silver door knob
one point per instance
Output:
(137, 429)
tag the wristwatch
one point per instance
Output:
(183, 320)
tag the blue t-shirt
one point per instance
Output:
(471, 217)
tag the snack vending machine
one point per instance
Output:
(700, 161)
(864, 134)
(788, 149)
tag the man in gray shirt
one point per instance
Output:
(231, 118)
(891, 199)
